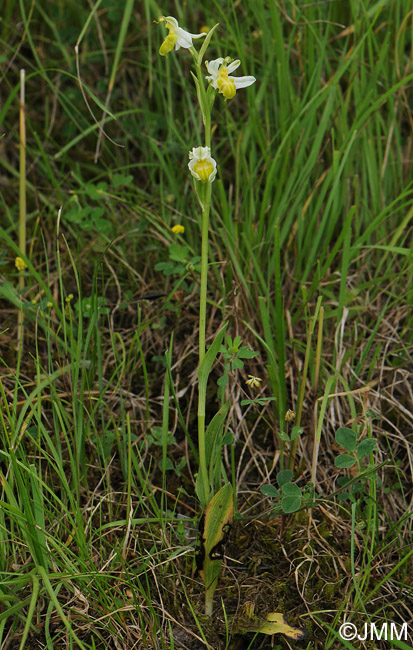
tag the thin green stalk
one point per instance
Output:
(144, 368)
(303, 381)
(22, 175)
(302, 391)
(54, 600)
(122, 35)
(165, 423)
(31, 610)
(22, 199)
(279, 330)
(128, 489)
(319, 348)
(352, 552)
(204, 272)
(206, 112)
(205, 200)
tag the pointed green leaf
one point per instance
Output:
(209, 358)
(205, 44)
(295, 432)
(212, 434)
(199, 96)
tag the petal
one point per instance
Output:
(199, 35)
(213, 66)
(233, 66)
(173, 23)
(212, 81)
(191, 169)
(214, 173)
(242, 82)
(185, 38)
(200, 153)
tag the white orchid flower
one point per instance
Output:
(177, 37)
(201, 165)
(219, 71)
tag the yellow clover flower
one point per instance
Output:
(178, 229)
(219, 71)
(253, 381)
(20, 264)
(177, 37)
(201, 165)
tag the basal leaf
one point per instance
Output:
(214, 528)
(276, 623)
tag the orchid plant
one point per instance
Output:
(216, 501)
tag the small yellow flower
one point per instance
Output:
(201, 165)
(20, 264)
(177, 37)
(225, 84)
(253, 381)
(69, 298)
(178, 229)
(49, 305)
(289, 416)
(204, 29)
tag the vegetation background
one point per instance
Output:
(312, 211)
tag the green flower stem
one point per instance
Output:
(22, 175)
(203, 470)
(204, 271)
(22, 198)
(204, 195)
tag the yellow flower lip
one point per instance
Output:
(168, 44)
(177, 37)
(178, 229)
(226, 85)
(201, 165)
(204, 168)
